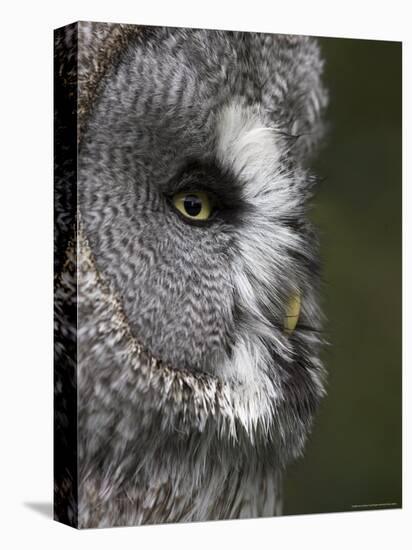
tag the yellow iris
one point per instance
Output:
(194, 205)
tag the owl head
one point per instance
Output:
(193, 196)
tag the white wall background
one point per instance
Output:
(26, 215)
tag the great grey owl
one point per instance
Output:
(186, 271)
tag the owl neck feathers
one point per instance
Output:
(156, 443)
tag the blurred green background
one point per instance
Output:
(354, 454)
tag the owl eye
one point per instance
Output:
(194, 205)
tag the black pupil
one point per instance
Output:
(193, 205)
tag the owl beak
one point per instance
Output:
(292, 313)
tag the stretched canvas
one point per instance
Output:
(227, 274)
